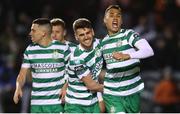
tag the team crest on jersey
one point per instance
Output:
(112, 109)
(119, 43)
(55, 54)
(77, 61)
(98, 53)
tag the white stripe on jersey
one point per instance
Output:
(84, 74)
(46, 102)
(122, 83)
(114, 45)
(122, 63)
(48, 84)
(48, 75)
(81, 102)
(78, 87)
(44, 56)
(78, 95)
(45, 93)
(53, 47)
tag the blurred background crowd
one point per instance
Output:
(158, 21)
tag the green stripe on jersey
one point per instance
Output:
(123, 69)
(49, 51)
(77, 91)
(47, 88)
(122, 48)
(45, 97)
(45, 80)
(124, 88)
(119, 79)
(85, 98)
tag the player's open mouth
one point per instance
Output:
(115, 24)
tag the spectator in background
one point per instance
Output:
(166, 93)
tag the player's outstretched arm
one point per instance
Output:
(19, 84)
(92, 84)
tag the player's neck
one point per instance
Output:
(45, 42)
(63, 41)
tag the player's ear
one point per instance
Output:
(76, 36)
(104, 20)
(93, 32)
(64, 33)
(121, 20)
(44, 34)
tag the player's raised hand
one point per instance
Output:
(120, 56)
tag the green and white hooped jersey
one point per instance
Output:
(47, 66)
(122, 77)
(81, 63)
(72, 46)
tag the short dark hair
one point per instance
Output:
(43, 22)
(58, 21)
(113, 7)
(81, 23)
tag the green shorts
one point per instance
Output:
(47, 108)
(127, 104)
(75, 108)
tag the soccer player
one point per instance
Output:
(46, 61)
(59, 33)
(122, 49)
(84, 67)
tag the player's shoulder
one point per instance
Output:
(77, 51)
(75, 57)
(32, 45)
(97, 40)
(128, 31)
(56, 42)
(71, 44)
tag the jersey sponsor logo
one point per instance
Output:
(46, 65)
(46, 70)
(109, 58)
